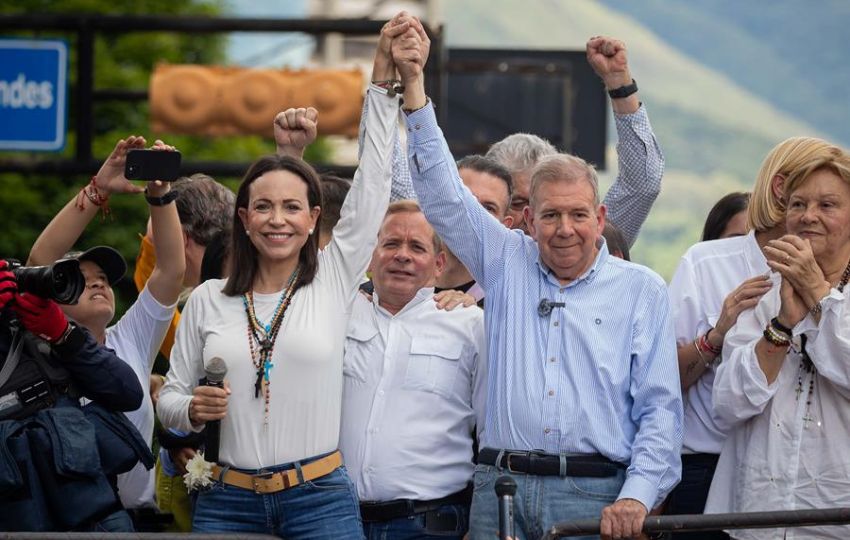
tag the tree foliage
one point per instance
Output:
(121, 61)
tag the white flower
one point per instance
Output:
(198, 472)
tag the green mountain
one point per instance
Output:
(791, 53)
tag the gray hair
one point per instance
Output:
(520, 151)
(205, 207)
(564, 168)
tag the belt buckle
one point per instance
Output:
(509, 455)
(255, 481)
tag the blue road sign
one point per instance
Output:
(33, 94)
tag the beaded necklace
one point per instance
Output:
(261, 338)
(808, 367)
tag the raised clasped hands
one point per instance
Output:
(409, 49)
(803, 281)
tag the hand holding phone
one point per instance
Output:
(152, 164)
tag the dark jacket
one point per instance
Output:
(55, 462)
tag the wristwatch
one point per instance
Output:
(168, 198)
(623, 91)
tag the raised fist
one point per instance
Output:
(294, 130)
(607, 56)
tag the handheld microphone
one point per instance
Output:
(505, 490)
(544, 308)
(215, 371)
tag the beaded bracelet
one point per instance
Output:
(776, 338)
(778, 326)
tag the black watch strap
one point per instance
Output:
(623, 91)
(168, 198)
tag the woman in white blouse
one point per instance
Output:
(784, 383)
(279, 323)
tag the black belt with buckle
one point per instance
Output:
(401, 508)
(542, 464)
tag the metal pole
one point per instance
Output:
(715, 522)
(84, 114)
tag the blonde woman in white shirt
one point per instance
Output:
(784, 384)
(714, 283)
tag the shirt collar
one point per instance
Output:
(422, 295)
(589, 275)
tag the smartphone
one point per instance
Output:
(152, 165)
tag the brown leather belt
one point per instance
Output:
(278, 481)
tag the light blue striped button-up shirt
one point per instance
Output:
(597, 376)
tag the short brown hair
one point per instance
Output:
(409, 206)
(204, 207)
(334, 191)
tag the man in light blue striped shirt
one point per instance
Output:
(582, 356)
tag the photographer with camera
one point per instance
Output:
(137, 336)
(54, 473)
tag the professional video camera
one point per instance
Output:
(61, 281)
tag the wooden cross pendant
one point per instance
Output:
(258, 385)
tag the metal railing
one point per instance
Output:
(715, 522)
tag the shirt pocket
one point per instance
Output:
(360, 345)
(433, 365)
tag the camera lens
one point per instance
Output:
(62, 281)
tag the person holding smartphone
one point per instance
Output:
(138, 334)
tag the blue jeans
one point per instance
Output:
(690, 495)
(448, 521)
(540, 501)
(324, 508)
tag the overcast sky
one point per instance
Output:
(268, 50)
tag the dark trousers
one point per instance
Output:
(448, 522)
(690, 495)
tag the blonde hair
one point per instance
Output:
(785, 159)
(836, 161)
(409, 206)
(563, 167)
